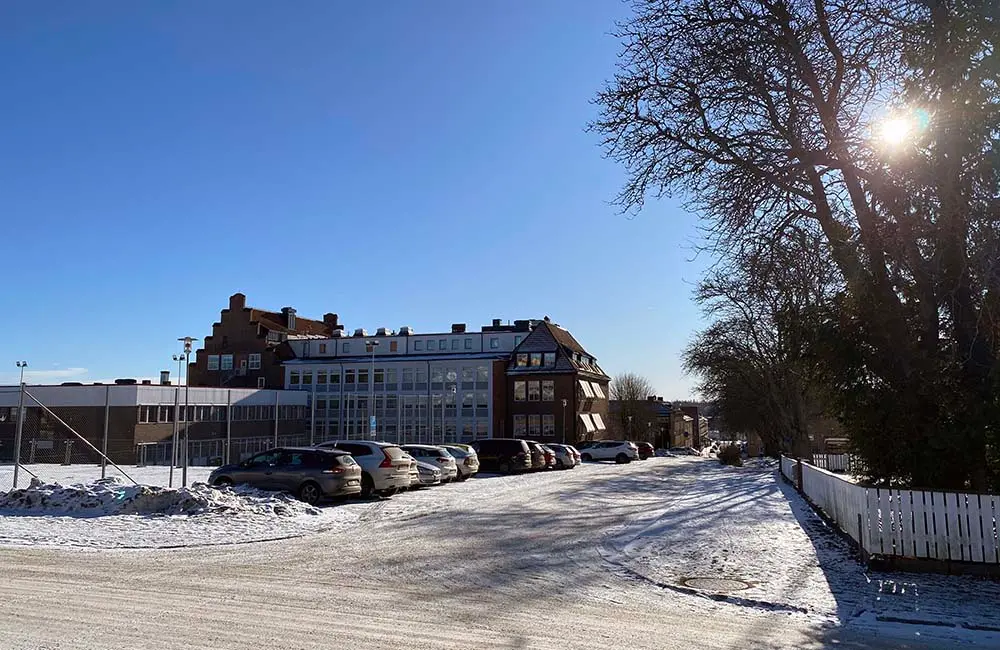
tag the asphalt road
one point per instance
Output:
(492, 563)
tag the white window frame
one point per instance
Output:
(213, 362)
(494, 342)
(226, 362)
(261, 382)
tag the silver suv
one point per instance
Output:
(310, 474)
(385, 467)
(437, 456)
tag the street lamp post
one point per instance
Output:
(564, 403)
(187, 341)
(372, 345)
(630, 427)
(179, 358)
(19, 427)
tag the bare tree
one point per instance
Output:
(631, 391)
(762, 112)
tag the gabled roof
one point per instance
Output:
(275, 321)
(563, 337)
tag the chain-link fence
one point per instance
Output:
(212, 452)
(43, 444)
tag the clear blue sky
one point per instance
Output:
(402, 163)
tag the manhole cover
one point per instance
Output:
(716, 585)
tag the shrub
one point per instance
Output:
(730, 455)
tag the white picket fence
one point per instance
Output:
(833, 462)
(906, 523)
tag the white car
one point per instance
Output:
(467, 460)
(566, 457)
(427, 474)
(437, 456)
(620, 451)
(385, 468)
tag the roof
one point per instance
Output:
(274, 321)
(564, 338)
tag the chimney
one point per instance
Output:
(289, 317)
(237, 301)
(164, 378)
(651, 398)
(458, 328)
(332, 322)
(496, 322)
(147, 382)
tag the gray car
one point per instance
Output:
(310, 474)
(427, 474)
(467, 460)
(385, 467)
(435, 455)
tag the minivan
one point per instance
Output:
(504, 455)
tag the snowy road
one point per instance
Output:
(537, 561)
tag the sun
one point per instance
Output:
(895, 131)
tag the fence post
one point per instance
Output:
(229, 423)
(17, 434)
(31, 453)
(69, 452)
(104, 440)
(861, 540)
(798, 473)
(312, 416)
(277, 408)
(174, 435)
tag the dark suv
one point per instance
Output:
(310, 474)
(503, 455)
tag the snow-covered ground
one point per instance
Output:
(70, 474)
(595, 557)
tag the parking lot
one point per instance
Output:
(495, 562)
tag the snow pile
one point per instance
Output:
(111, 496)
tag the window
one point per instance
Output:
(549, 425)
(225, 341)
(390, 402)
(322, 348)
(482, 374)
(598, 391)
(534, 391)
(347, 347)
(522, 360)
(260, 382)
(494, 343)
(320, 376)
(536, 359)
(307, 378)
(166, 414)
(227, 362)
(467, 402)
(267, 459)
(520, 425)
(454, 344)
(393, 346)
(520, 391)
(482, 400)
(451, 376)
(437, 375)
(534, 425)
(443, 344)
(379, 376)
(334, 377)
(293, 378)
(549, 359)
(255, 361)
(517, 340)
(407, 376)
(548, 391)
(588, 392)
(598, 421)
(421, 376)
(468, 344)
(334, 405)
(363, 376)
(213, 362)
(418, 345)
(348, 376)
(390, 376)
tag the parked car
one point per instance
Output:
(414, 474)
(576, 452)
(385, 467)
(550, 455)
(310, 474)
(503, 455)
(620, 451)
(435, 455)
(646, 450)
(537, 455)
(565, 456)
(427, 474)
(466, 458)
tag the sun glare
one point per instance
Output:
(895, 131)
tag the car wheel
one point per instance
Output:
(388, 493)
(367, 486)
(223, 481)
(586, 458)
(310, 493)
(559, 464)
(621, 459)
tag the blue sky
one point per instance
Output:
(404, 163)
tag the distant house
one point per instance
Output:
(247, 345)
(655, 421)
